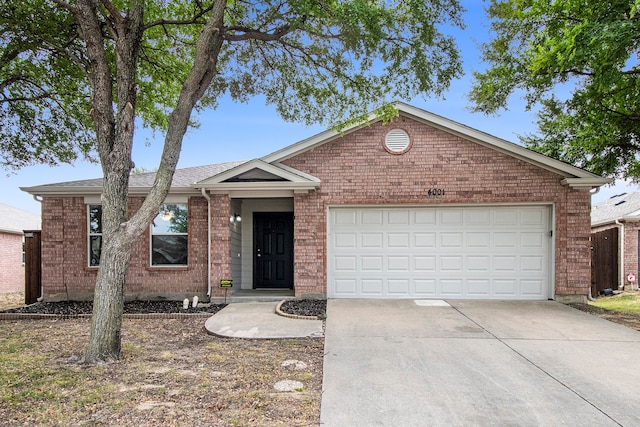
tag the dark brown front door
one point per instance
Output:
(273, 250)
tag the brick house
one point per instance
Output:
(13, 222)
(421, 207)
(622, 214)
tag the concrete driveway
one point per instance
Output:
(480, 363)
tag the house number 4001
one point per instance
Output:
(435, 192)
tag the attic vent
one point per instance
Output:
(619, 203)
(397, 141)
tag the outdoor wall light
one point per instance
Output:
(235, 218)
(166, 216)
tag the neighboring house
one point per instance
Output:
(13, 222)
(619, 214)
(421, 207)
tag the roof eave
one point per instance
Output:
(591, 182)
(262, 186)
(88, 191)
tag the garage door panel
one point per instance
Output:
(479, 240)
(505, 287)
(398, 217)
(345, 287)
(451, 240)
(507, 216)
(478, 263)
(398, 240)
(344, 218)
(371, 217)
(346, 240)
(371, 240)
(346, 263)
(531, 287)
(398, 263)
(424, 217)
(533, 217)
(532, 240)
(479, 218)
(372, 287)
(425, 288)
(505, 263)
(507, 239)
(451, 264)
(424, 240)
(372, 263)
(424, 264)
(398, 287)
(436, 252)
(451, 287)
(452, 217)
(531, 264)
(479, 287)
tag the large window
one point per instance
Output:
(169, 238)
(95, 234)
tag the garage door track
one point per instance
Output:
(482, 363)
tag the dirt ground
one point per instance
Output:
(172, 373)
(627, 319)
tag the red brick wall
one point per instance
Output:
(220, 242)
(65, 271)
(11, 266)
(356, 169)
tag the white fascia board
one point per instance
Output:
(172, 198)
(292, 176)
(61, 191)
(593, 181)
(312, 142)
(294, 171)
(256, 194)
(263, 186)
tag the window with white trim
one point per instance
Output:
(95, 234)
(169, 237)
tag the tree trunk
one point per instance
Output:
(115, 140)
(106, 322)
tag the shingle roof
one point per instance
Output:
(14, 220)
(621, 206)
(182, 179)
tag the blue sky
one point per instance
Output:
(246, 131)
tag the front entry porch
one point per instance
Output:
(256, 295)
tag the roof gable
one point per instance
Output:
(573, 176)
(256, 175)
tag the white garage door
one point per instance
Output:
(490, 252)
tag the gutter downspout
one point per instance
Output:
(594, 190)
(621, 249)
(206, 196)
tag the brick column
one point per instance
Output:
(220, 242)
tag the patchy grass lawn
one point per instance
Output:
(172, 374)
(624, 303)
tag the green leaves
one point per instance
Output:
(587, 50)
(44, 98)
(314, 61)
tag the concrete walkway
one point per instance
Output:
(396, 363)
(259, 320)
